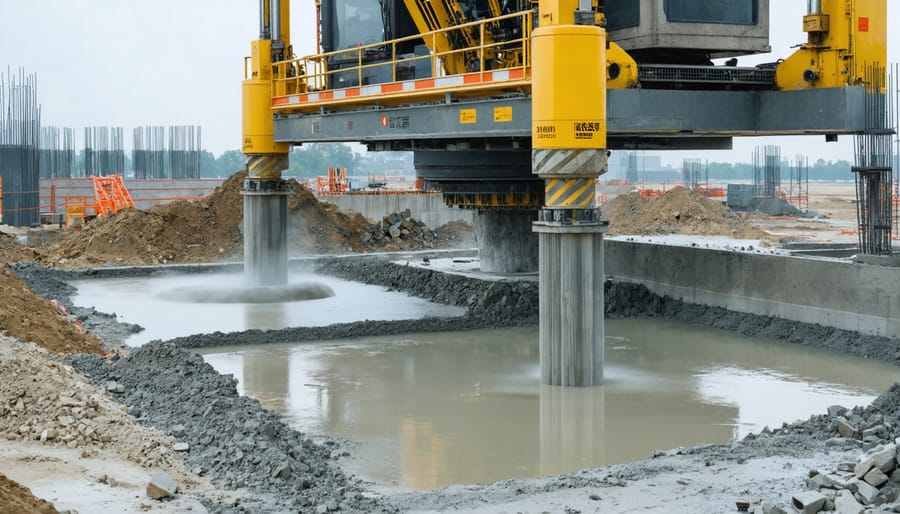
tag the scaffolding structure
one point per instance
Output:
(57, 152)
(767, 171)
(873, 168)
(104, 151)
(798, 187)
(694, 175)
(20, 133)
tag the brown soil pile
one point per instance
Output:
(29, 317)
(184, 231)
(678, 211)
(47, 402)
(15, 499)
(12, 251)
(210, 230)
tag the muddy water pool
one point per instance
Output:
(429, 410)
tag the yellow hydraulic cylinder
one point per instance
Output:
(266, 158)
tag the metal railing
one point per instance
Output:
(321, 72)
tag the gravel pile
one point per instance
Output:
(45, 401)
(231, 439)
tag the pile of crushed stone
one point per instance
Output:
(233, 440)
(29, 317)
(16, 499)
(678, 211)
(47, 402)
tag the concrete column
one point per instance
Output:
(265, 231)
(506, 242)
(571, 303)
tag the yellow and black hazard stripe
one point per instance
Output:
(569, 193)
(266, 166)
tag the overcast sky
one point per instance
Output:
(179, 62)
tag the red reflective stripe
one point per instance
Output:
(424, 83)
(392, 88)
(282, 100)
(473, 78)
(353, 91)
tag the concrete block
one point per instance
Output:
(864, 492)
(808, 502)
(823, 481)
(845, 428)
(845, 503)
(875, 477)
(161, 486)
(181, 447)
(882, 457)
(836, 410)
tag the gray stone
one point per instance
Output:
(890, 493)
(115, 387)
(845, 503)
(177, 430)
(321, 509)
(822, 480)
(845, 428)
(331, 504)
(836, 410)
(864, 492)
(882, 458)
(161, 486)
(771, 508)
(895, 476)
(65, 420)
(181, 447)
(846, 466)
(808, 502)
(282, 470)
(875, 477)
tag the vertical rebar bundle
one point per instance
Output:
(104, 151)
(20, 132)
(184, 152)
(57, 152)
(694, 174)
(798, 188)
(149, 153)
(873, 169)
(767, 170)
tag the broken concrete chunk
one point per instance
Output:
(181, 447)
(161, 486)
(115, 387)
(864, 492)
(845, 503)
(875, 477)
(836, 410)
(823, 481)
(882, 458)
(845, 428)
(808, 502)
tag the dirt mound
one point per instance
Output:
(15, 499)
(12, 251)
(183, 231)
(678, 211)
(29, 317)
(320, 227)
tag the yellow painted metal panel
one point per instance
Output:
(468, 116)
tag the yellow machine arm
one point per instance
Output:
(846, 39)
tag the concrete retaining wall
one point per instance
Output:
(833, 293)
(427, 207)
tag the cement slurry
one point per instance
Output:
(429, 410)
(169, 306)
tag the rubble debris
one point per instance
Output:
(161, 486)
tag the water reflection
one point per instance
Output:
(437, 409)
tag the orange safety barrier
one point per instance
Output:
(711, 192)
(110, 194)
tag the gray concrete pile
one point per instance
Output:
(869, 484)
(229, 438)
